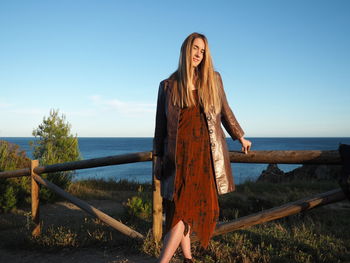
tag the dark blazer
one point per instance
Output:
(164, 143)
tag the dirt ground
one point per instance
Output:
(71, 256)
(58, 212)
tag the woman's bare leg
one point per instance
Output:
(171, 242)
(186, 244)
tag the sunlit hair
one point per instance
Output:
(207, 82)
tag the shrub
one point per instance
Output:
(140, 205)
(14, 190)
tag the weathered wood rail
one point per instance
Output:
(279, 212)
(287, 157)
(280, 157)
(83, 164)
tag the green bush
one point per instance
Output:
(8, 199)
(11, 157)
(14, 191)
(140, 205)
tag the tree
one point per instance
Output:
(55, 144)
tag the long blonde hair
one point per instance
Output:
(207, 81)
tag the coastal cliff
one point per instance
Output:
(307, 172)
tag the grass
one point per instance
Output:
(106, 189)
(320, 235)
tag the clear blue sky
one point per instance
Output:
(285, 64)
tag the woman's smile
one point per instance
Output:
(197, 53)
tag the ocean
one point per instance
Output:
(141, 172)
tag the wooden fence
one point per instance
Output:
(280, 157)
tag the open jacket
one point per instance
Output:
(165, 138)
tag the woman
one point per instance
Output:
(192, 156)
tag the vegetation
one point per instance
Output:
(55, 144)
(140, 205)
(13, 191)
(320, 235)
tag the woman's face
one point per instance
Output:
(197, 53)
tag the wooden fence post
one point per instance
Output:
(157, 206)
(35, 200)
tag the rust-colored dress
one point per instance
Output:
(195, 197)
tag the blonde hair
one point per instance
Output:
(207, 82)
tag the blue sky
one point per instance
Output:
(285, 64)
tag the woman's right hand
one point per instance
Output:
(246, 145)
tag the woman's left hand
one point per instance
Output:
(246, 145)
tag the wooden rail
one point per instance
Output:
(96, 162)
(288, 209)
(287, 157)
(15, 173)
(84, 164)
